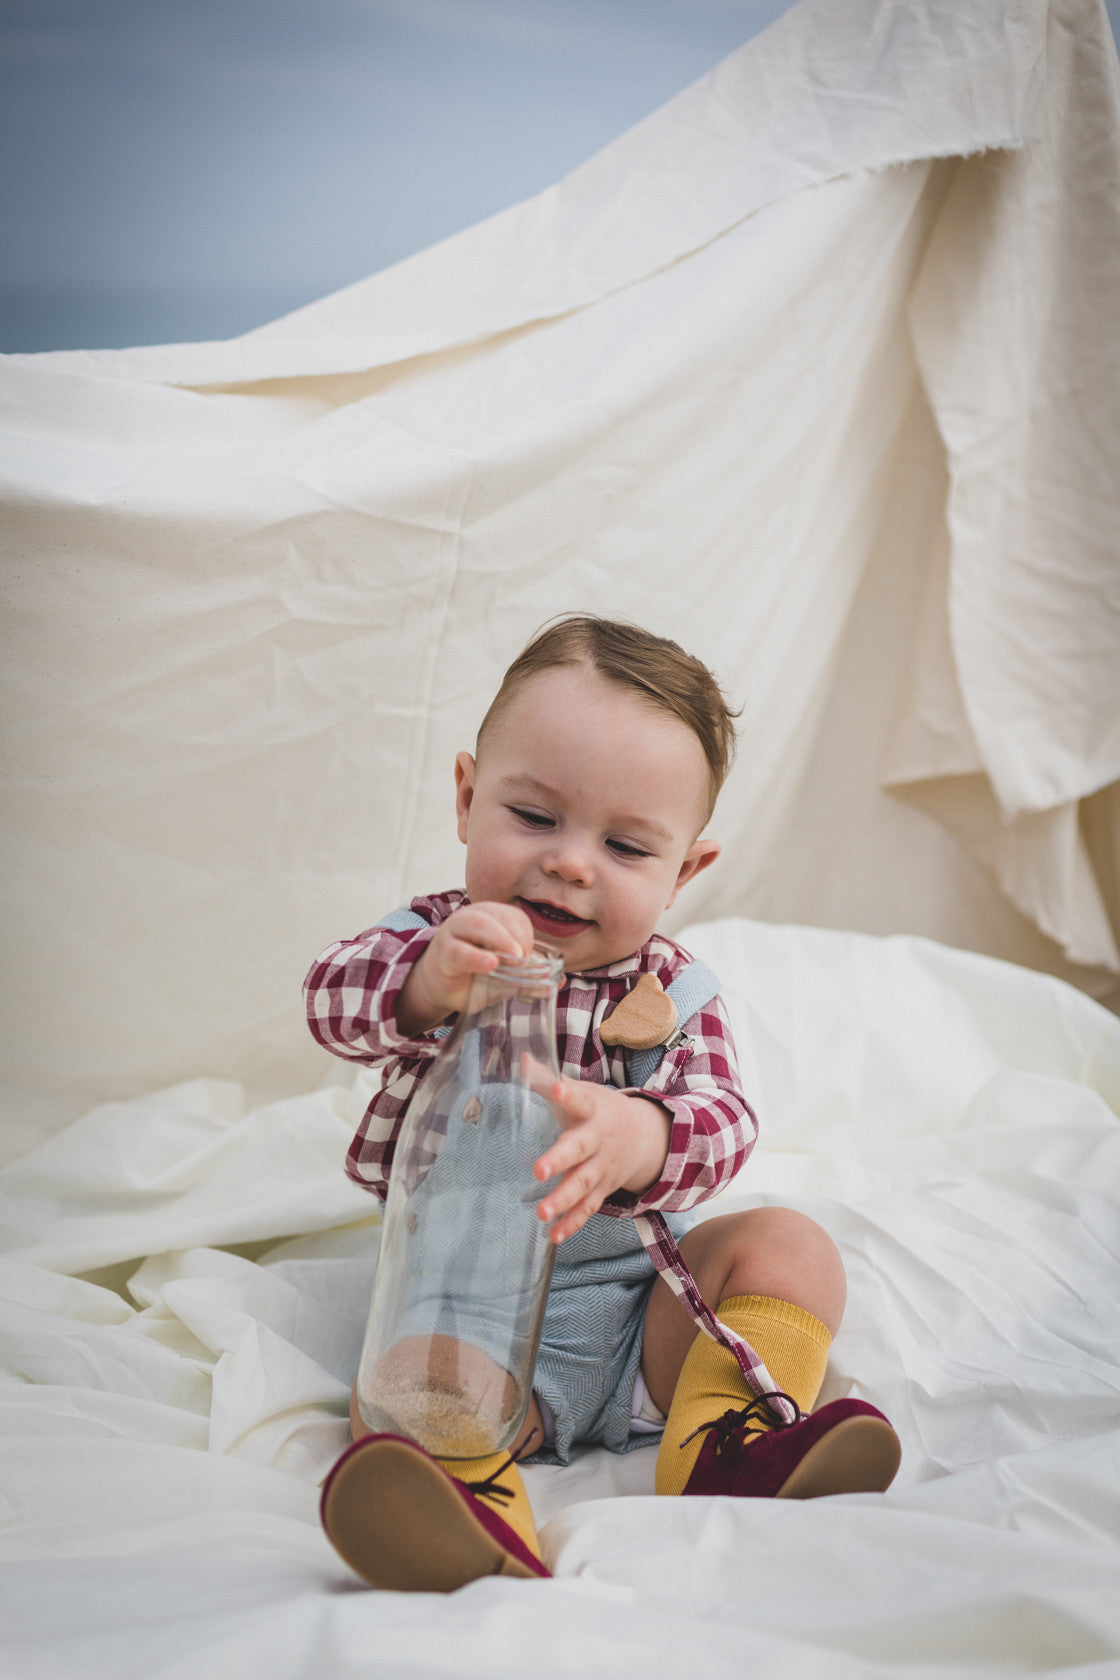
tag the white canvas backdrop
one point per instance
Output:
(815, 370)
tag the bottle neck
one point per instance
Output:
(540, 970)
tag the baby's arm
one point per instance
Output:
(354, 992)
(613, 1141)
(693, 1112)
(379, 995)
(351, 993)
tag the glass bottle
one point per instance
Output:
(465, 1260)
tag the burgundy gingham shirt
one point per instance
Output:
(352, 993)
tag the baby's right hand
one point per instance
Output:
(471, 941)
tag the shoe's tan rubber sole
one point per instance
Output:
(400, 1524)
(860, 1455)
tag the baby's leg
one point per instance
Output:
(776, 1278)
(772, 1253)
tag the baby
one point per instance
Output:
(583, 813)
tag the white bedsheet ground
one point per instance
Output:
(184, 1292)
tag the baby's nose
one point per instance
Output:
(570, 859)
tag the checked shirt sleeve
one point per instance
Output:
(713, 1126)
(351, 995)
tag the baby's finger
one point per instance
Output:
(517, 927)
(536, 1075)
(574, 1101)
(480, 925)
(574, 1220)
(464, 957)
(569, 1151)
(497, 927)
(577, 1185)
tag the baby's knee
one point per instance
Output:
(784, 1230)
(780, 1252)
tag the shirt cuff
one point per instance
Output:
(680, 1130)
(398, 969)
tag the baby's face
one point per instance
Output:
(583, 810)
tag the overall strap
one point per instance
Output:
(402, 921)
(660, 1244)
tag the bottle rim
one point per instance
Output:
(541, 966)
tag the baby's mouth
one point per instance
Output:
(550, 918)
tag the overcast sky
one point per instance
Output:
(177, 169)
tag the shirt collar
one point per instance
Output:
(620, 970)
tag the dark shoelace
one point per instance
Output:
(757, 1418)
(490, 1488)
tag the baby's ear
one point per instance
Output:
(465, 772)
(699, 855)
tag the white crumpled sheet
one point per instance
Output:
(185, 1286)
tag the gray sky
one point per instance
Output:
(174, 169)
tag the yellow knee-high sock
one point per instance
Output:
(792, 1344)
(517, 1512)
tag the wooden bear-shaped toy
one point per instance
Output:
(645, 1017)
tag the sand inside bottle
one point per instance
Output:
(447, 1395)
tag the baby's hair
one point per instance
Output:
(652, 666)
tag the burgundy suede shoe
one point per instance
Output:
(401, 1522)
(846, 1447)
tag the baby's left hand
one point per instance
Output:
(611, 1142)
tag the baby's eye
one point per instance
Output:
(623, 848)
(535, 819)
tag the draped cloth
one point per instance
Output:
(815, 370)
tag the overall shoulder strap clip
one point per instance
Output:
(694, 986)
